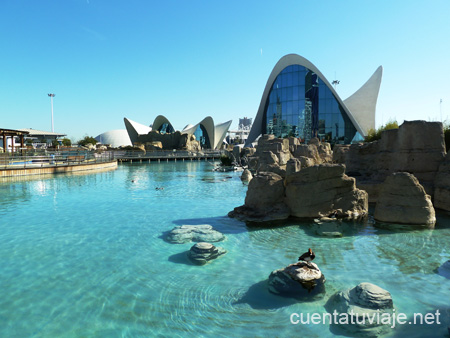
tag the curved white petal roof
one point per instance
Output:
(159, 121)
(357, 117)
(135, 129)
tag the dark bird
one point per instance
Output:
(307, 256)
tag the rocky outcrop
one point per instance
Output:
(312, 192)
(201, 253)
(442, 185)
(403, 200)
(246, 176)
(302, 280)
(417, 147)
(361, 306)
(322, 190)
(264, 200)
(273, 154)
(170, 141)
(195, 233)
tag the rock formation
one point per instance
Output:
(201, 253)
(312, 192)
(322, 190)
(403, 200)
(264, 200)
(417, 147)
(246, 176)
(442, 185)
(273, 154)
(170, 141)
(302, 280)
(359, 305)
(195, 233)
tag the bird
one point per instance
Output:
(307, 256)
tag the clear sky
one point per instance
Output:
(107, 59)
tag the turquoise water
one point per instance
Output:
(83, 256)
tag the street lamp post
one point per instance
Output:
(51, 100)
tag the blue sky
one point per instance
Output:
(107, 59)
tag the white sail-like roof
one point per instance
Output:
(135, 129)
(115, 138)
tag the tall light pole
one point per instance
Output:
(51, 100)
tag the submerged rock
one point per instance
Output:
(302, 280)
(362, 306)
(403, 200)
(201, 253)
(444, 269)
(195, 233)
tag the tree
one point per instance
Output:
(374, 135)
(86, 140)
(66, 142)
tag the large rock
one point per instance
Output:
(403, 200)
(302, 280)
(265, 190)
(322, 190)
(442, 185)
(201, 253)
(195, 233)
(417, 147)
(246, 176)
(359, 305)
(264, 200)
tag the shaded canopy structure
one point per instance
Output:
(5, 133)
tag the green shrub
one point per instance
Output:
(66, 142)
(226, 161)
(373, 135)
(447, 136)
(86, 140)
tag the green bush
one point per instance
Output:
(66, 142)
(447, 136)
(226, 161)
(86, 140)
(373, 135)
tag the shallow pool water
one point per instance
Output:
(84, 256)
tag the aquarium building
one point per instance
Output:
(299, 101)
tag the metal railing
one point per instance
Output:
(37, 159)
(166, 154)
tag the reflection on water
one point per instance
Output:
(82, 255)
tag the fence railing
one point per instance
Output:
(166, 154)
(57, 158)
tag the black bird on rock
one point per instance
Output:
(307, 256)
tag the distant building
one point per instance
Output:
(209, 135)
(116, 138)
(299, 101)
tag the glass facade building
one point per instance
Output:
(301, 105)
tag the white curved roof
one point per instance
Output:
(215, 134)
(115, 138)
(159, 121)
(135, 129)
(357, 116)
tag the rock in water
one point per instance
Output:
(246, 176)
(362, 306)
(444, 269)
(322, 190)
(442, 185)
(201, 253)
(403, 200)
(302, 280)
(195, 233)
